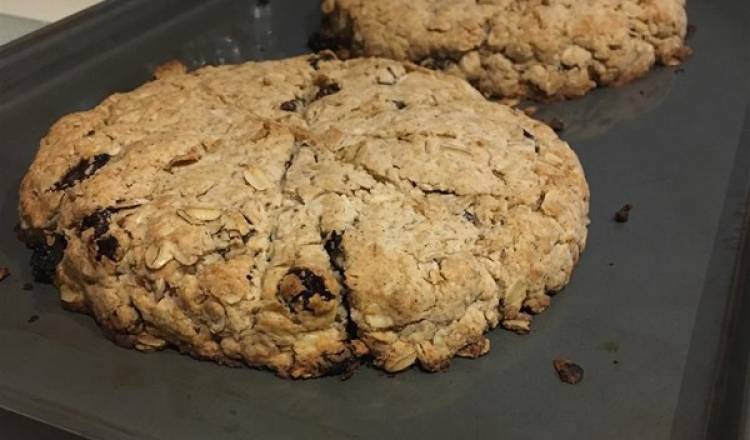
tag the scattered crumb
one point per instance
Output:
(691, 28)
(32, 319)
(4, 273)
(611, 264)
(615, 361)
(568, 371)
(610, 346)
(556, 124)
(530, 110)
(679, 70)
(28, 286)
(623, 214)
(641, 92)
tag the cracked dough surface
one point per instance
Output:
(298, 214)
(540, 49)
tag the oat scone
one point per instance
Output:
(538, 49)
(299, 214)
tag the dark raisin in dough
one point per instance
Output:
(85, 169)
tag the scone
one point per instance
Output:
(299, 215)
(538, 49)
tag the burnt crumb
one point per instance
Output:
(333, 248)
(679, 70)
(327, 87)
(289, 106)
(399, 104)
(611, 264)
(623, 214)
(641, 92)
(28, 286)
(316, 59)
(85, 169)
(691, 29)
(97, 220)
(527, 134)
(264, 2)
(312, 285)
(568, 371)
(107, 247)
(556, 124)
(32, 319)
(4, 273)
(615, 361)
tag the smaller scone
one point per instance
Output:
(298, 214)
(537, 49)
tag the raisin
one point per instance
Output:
(315, 60)
(85, 169)
(527, 134)
(623, 214)
(437, 62)
(471, 218)
(312, 285)
(44, 258)
(327, 87)
(568, 371)
(107, 247)
(399, 104)
(320, 41)
(289, 106)
(98, 220)
(333, 248)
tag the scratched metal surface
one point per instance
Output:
(644, 314)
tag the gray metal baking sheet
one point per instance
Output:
(654, 313)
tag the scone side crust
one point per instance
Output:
(246, 214)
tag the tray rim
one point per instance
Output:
(727, 404)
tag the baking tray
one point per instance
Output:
(657, 312)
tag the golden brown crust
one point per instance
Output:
(540, 49)
(297, 214)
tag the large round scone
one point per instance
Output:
(298, 214)
(541, 49)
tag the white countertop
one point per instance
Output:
(19, 17)
(44, 10)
